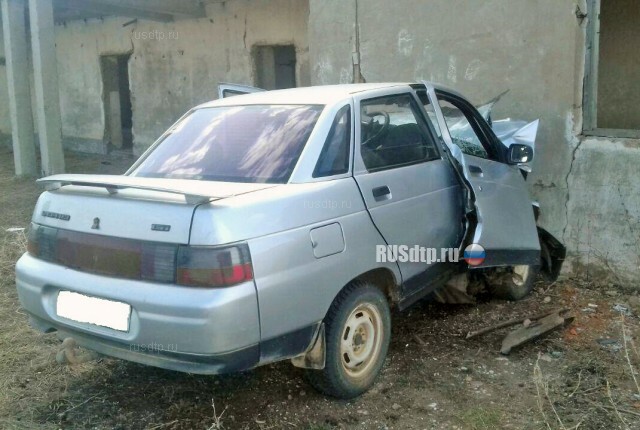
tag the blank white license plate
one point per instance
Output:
(92, 310)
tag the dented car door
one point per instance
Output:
(504, 220)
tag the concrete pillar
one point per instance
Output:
(15, 47)
(45, 71)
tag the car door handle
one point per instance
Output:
(381, 193)
(475, 170)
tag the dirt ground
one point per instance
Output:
(583, 376)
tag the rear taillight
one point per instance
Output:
(158, 262)
(32, 241)
(134, 259)
(214, 267)
(41, 241)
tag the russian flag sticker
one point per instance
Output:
(474, 254)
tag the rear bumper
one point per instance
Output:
(189, 329)
(154, 355)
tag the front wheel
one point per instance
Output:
(357, 330)
(512, 283)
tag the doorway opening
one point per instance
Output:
(275, 66)
(118, 112)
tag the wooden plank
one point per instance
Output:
(525, 334)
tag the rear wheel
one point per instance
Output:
(357, 330)
(512, 283)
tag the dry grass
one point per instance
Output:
(36, 393)
(31, 384)
(217, 419)
(15, 198)
(592, 400)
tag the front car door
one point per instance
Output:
(505, 223)
(411, 192)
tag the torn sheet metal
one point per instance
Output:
(486, 109)
(508, 130)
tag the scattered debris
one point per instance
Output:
(15, 230)
(525, 334)
(419, 340)
(513, 322)
(622, 309)
(546, 357)
(69, 353)
(610, 344)
(634, 303)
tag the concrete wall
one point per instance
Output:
(78, 47)
(5, 121)
(604, 210)
(588, 188)
(173, 66)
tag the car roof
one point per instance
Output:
(321, 94)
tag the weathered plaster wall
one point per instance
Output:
(173, 66)
(588, 187)
(604, 209)
(78, 47)
(5, 121)
(535, 49)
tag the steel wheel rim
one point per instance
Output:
(361, 340)
(520, 274)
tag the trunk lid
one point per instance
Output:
(148, 209)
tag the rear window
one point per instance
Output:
(256, 143)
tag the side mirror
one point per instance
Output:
(519, 154)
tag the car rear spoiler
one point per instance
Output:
(194, 192)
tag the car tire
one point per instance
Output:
(357, 334)
(513, 283)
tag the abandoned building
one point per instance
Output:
(112, 75)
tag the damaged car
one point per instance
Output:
(247, 234)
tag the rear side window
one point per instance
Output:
(334, 158)
(254, 143)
